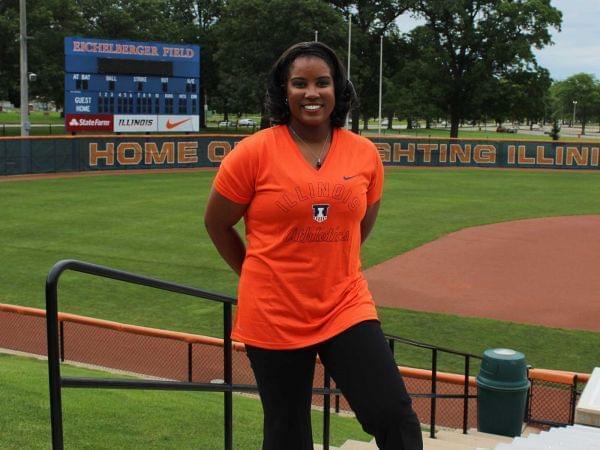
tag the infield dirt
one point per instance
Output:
(535, 271)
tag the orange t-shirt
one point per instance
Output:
(301, 281)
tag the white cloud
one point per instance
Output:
(576, 47)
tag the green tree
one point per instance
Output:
(9, 51)
(473, 42)
(251, 34)
(582, 88)
(519, 95)
(370, 20)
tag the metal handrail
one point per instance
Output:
(55, 355)
(435, 350)
(55, 380)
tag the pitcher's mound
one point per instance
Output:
(537, 271)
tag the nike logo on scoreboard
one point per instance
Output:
(170, 125)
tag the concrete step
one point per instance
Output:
(441, 444)
(320, 447)
(567, 438)
(445, 440)
(498, 437)
(358, 445)
(472, 440)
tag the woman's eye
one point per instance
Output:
(323, 83)
(298, 84)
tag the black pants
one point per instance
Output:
(362, 366)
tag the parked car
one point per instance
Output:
(226, 124)
(247, 123)
(507, 129)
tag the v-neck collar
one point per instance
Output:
(296, 149)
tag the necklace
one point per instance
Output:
(318, 160)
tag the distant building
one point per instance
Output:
(5, 105)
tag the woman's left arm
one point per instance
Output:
(368, 221)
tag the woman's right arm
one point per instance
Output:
(219, 219)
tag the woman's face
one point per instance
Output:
(310, 91)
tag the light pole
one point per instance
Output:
(574, 108)
(348, 66)
(380, 82)
(25, 125)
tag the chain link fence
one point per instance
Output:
(151, 353)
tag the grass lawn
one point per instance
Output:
(54, 124)
(110, 419)
(151, 224)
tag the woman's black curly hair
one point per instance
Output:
(276, 99)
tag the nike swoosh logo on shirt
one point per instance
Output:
(171, 125)
(348, 178)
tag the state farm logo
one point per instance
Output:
(89, 122)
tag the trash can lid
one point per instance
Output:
(503, 368)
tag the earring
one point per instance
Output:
(285, 101)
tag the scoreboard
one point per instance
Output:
(127, 86)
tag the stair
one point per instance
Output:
(576, 437)
(445, 440)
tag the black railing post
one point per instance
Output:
(228, 375)
(573, 400)
(527, 417)
(190, 362)
(53, 362)
(326, 408)
(466, 392)
(337, 403)
(62, 341)
(391, 341)
(433, 392)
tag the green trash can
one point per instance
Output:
(502, 387)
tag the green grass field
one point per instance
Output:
(111, 419)
(152, 224)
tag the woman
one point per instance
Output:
(309, 193)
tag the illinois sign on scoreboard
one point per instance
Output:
(126, 86)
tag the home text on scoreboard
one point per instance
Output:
(126, 86)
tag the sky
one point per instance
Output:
(576, 47)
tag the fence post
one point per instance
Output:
(326, 408)
(466, 400)
(190, 362)
(61, 334)
(527, 417)
(433, 391)
(573, 400)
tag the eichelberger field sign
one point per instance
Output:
(126, 86)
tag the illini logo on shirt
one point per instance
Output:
(320, 212)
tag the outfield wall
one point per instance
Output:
(92, 153)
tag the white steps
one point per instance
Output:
(588, 407)
(445, 440)
(576, 437)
